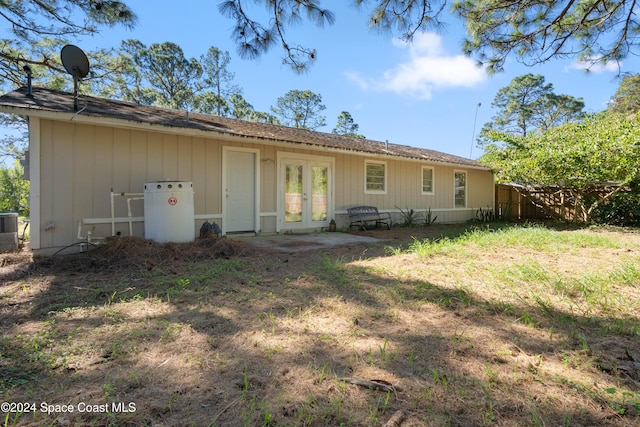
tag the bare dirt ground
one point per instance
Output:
(222, 333)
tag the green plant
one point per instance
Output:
(170, 331)
(627, 274)
(245, 384)
(183, 283)
(379, 408)
(429, 219)
(111, 298)
(110, 388)
(600, 148)
(12, 421)
(247, 415)
(383, 350)
(492, 376)
(439, 378)
(426, 248)
(485, 215)
(409, 217)
(268, 318)
(627, 402)
(267, 418)
(332, 271)
(320, 373)
(623, 209)
(14, 191)
(504, 213)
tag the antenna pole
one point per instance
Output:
(75, 93)
(473, 134)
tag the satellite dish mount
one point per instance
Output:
(76, 63)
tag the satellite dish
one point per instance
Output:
(76, 63)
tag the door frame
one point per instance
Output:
(282, 157)
(256, 185)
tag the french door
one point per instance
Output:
(306, 193)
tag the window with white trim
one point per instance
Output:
(427, 180)
(460, 189)
(375, 180)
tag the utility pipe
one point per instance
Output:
(129, 213)
(113, 215)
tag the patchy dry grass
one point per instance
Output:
(507, 326)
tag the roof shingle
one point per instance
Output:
(48, 100)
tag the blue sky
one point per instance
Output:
(424, 94)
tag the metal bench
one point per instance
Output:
(361, 216)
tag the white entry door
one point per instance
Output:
(305, 193)
(240, 194)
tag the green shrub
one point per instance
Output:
(14, 191)
(623, 209)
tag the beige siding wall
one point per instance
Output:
(81, 163)
(268, 187)
(404, 189)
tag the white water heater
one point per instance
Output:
(168, 211)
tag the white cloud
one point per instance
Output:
(428, 68)
(358, 79)
(595, 66)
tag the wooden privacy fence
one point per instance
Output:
(517, 202)
(512, 205)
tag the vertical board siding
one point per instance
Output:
(139, 161)
(404, 186)
(61, 187)
(81, 163)
(105, 168)
(213, 178)
(268, 184)
(84, 174)
(154, 158)
(443, 188)
(480, 189)
(185, 170)
(198, 167)
(121, 156)
(47, 183)
(169, 151)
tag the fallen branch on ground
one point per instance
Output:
(381, 385)
(396, 419)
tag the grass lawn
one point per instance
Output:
(508, 325)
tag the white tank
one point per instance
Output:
(168, 211)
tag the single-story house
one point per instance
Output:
(91, 166)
